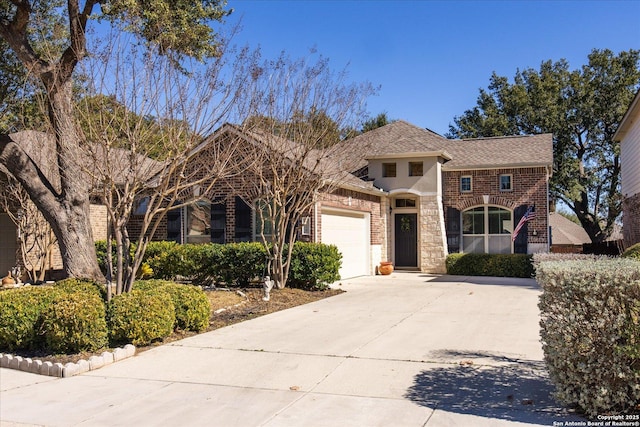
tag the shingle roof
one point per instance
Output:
(94, 160)
(401, 138)
(321, 162)
(507, 151)
(395, 139)
(566, 232)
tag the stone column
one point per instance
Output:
(432, 242)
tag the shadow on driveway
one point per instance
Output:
(519, 391)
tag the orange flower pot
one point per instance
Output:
(386, 267)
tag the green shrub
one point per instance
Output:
(165, 259)
(75, 322)
(243, 262)
(81, 285)
(499, 265)
(210, 268)
(632, 252)
(20, 316)
(192, 307)
(231, 263)
(314, 266)
(550, 256)
(140, 317)
(590, 330)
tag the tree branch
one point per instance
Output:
(25, 171)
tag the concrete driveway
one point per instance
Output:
(401, 350)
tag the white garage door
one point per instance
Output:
(349, 231)
(8, 244)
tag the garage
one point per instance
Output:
(349, 231)
(8, 244)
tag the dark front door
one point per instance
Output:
(406, 240)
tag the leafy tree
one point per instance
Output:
(376, 122)
(177, 29)
(582, 108)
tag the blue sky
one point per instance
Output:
(430, 58)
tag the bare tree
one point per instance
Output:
(35, 236)
(176, 29)
(297, 109)
(146, 120)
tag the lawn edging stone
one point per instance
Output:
(70, 369)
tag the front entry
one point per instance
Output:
(406, 240)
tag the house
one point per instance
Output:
(628, 135)
(410, 196)
(566, 235)
(444, 196)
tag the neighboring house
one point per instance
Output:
(566, 235)
(412, 199)
(41, 148)
(628, 135)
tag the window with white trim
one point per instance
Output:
(506, 182)
(487, 229)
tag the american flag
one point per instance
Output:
(528, 216)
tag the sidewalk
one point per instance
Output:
(402, 350)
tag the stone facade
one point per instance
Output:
(432, 241)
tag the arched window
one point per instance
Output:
(487, 229)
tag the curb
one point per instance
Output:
(69, 369)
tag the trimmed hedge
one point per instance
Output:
(71, 316)
(140, 317)
(82, 285)
(70, 313)
(499, 265)
(232, 263)
(75, 322)
(20, 317)
(590, 330)
(314, 266)
(192, 307)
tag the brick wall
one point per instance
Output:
(529, 187)
(631, 220)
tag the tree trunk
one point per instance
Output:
(67, 209)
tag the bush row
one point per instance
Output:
(500, 265)
(313, 265)
(71, 316)
(590, 330)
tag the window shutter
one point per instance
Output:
(520, 244)
(453, 229)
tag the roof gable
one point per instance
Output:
(402, 139)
